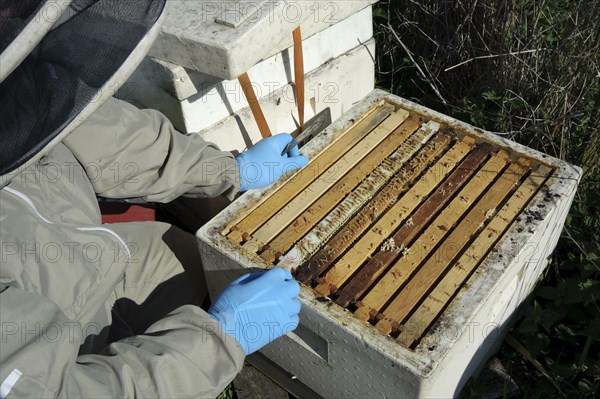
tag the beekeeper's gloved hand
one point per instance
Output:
(258, 308)
(263, 164)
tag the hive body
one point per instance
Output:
(415, 236)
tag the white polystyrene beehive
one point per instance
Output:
(191, 73)
(343, 351)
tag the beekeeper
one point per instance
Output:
(92, 310)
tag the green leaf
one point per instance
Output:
(490, 95)
(528, 326)
(565, 371)
(547, 318)
(573, 292)
(585, 385)
(593, 330)
(568, 331)
(547, 292)
(537, 344)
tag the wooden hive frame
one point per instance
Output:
(383, 219)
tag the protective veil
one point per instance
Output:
(74, 293)
(60, 61)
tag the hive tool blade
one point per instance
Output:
(314, 126)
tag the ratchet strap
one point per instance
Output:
(250, 94)
(259, 116)
(299, 75)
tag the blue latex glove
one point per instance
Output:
(263, 164)
(258, 308)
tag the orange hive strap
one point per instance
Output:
(257, 112)
(299, 74)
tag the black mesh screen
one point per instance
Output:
(66, 71)
(14, 16)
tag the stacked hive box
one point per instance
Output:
(205, 45)
(416, 237)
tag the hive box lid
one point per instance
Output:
(226, 38)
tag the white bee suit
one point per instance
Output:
(92, 310)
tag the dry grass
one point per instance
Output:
(530, 71)
(516, 67)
